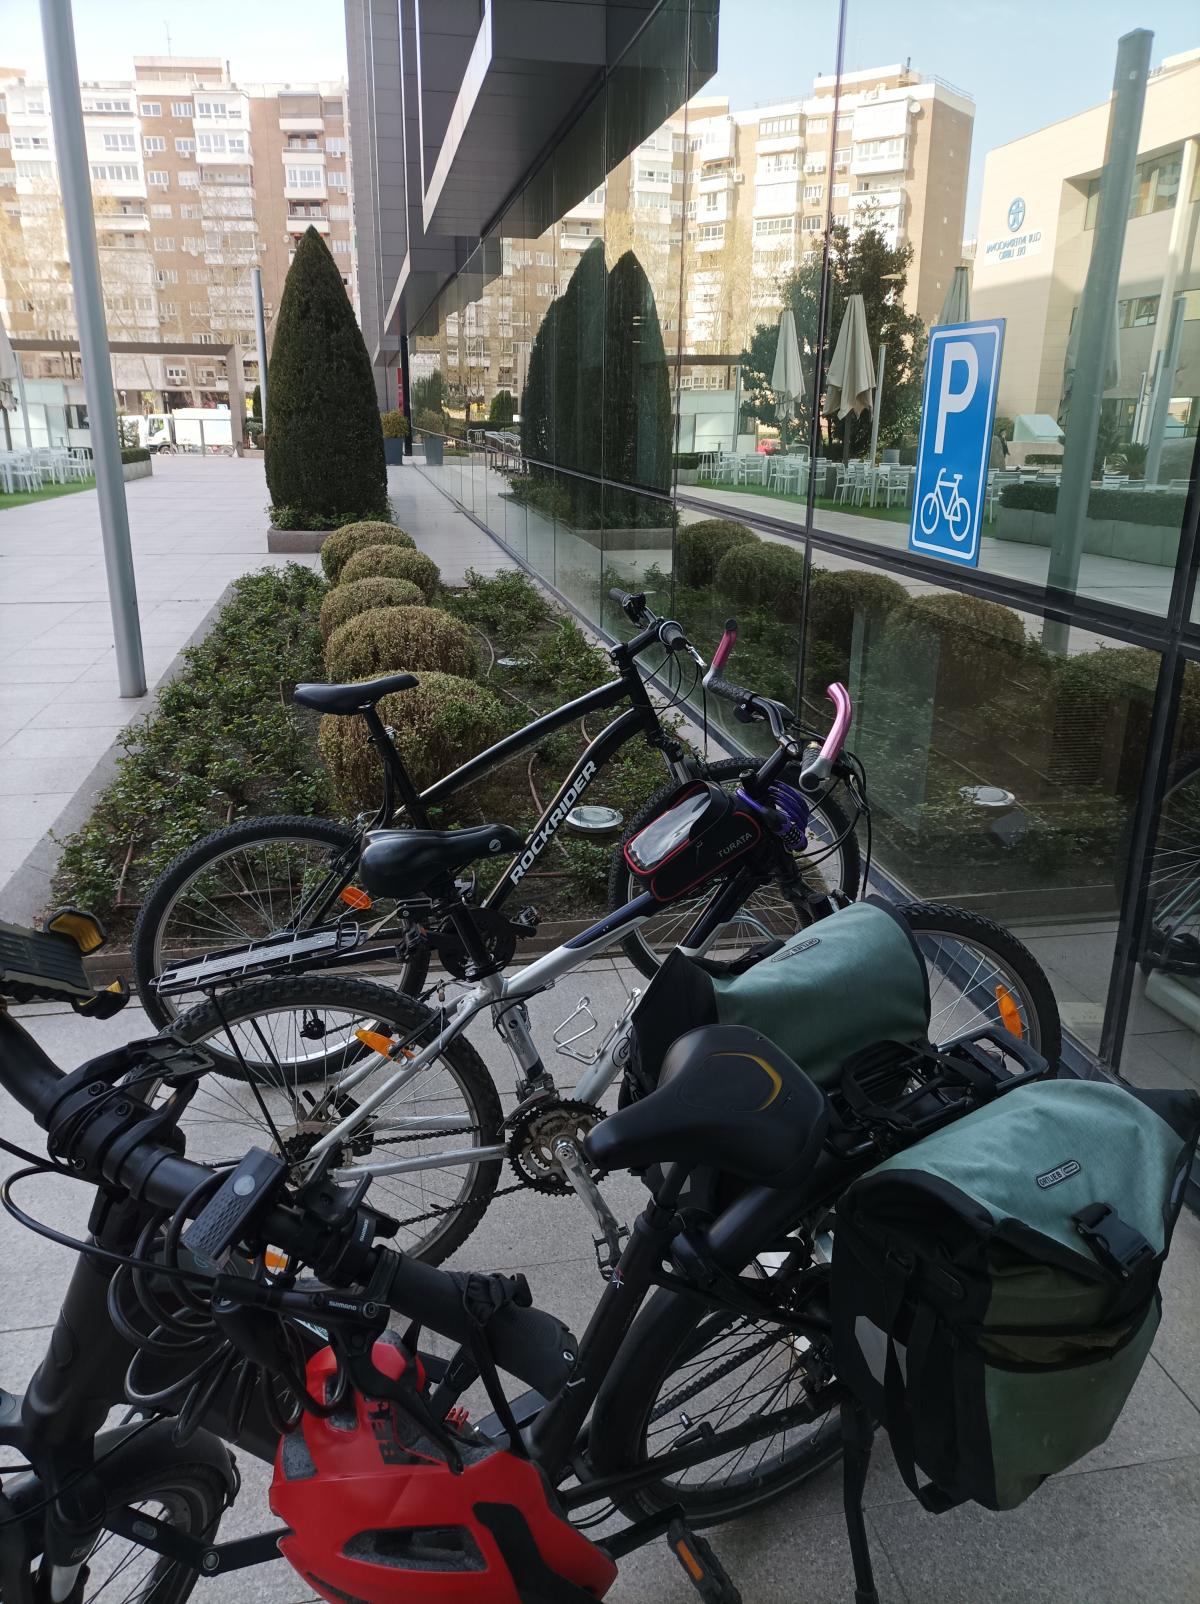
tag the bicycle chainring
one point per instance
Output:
(534, 1133)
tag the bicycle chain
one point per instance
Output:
(710, 1377)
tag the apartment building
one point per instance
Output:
(893, 152)
(195, 181)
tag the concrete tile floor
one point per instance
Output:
(1118, 1527)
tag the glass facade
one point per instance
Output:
(606, 373)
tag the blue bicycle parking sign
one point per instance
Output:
(962, 371)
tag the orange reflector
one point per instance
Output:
(375, 1039)
(276, 1260)
(1010, 1014)
(356, 899)
(690, 1563)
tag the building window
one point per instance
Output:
(1137, 313)
(844, 124)
(153, 143)
(811, 225)
(336, 147)
(185, 147)
(304, 177)
(181, 108)
(111, 172)
(814, 192)
(166, 275)
(712, 231)
(339, 214)
(841, 156)
(341, 247)
(336, 180)
(164, 242)
(875, 149)
(92, 105)
(817, 125)
(773, 127)
(764, 227)
(206, 339)
(211, 108)
(1155, 187)
(119, 142)
(188, 179)
(840, 191)
(151, 108)
(814, 164)
(176, 374)
(161, 209)
(208, 143)
(155, 175)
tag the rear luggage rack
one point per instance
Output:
(270, 955)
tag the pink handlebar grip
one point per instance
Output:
(728, 642)
(835, 740)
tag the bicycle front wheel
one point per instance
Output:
(981, 974)
(432, 1125)
(255, 878)
(684, 1369)
(829, 862)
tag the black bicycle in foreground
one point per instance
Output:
(268, 880)
(230, 1305)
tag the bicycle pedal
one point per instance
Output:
(702, 1567)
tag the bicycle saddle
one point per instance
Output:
(351, 698)
(403, 863)
(727, 1097)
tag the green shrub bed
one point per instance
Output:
(1161, 507)
(350, 539)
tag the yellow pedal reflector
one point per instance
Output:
(690, 1563)
(356, 899)
(1010, 1014)
(84, 929)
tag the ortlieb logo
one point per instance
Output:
(1064, 1172)
(790, 952)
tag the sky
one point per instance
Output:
(1026, 62)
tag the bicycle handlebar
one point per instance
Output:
(529, 1343)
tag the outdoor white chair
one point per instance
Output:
(785, 473)
(707, 465)
(752, 468)
(851, 483)
(727, 468)
(892, 483)
(21, 473)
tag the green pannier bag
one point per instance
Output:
(995, 1286)
(844, 984)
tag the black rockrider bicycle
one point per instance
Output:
(193, 1299)
(279, 895)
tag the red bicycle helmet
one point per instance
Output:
(377, 1515)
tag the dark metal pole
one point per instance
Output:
(62, 72)
(1095, 313)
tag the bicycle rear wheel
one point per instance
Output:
(255, 878)
(448, 1109)
(684, 1369)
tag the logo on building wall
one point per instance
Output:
(1016, 214)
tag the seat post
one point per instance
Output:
(394, 773)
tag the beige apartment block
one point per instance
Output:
(196, 180)
(1036, 223)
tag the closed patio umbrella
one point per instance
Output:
(956, 308)
(11, 383)
(1112, 365)
(787, 376)
(850, 382)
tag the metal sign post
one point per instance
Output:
(62, 72)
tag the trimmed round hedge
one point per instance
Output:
(439, 724)
(836, 599)
(976, 644)
(392, 562)
(344, 542)
(346, 601)
(395, 640)
(699, 548)
(765, 576)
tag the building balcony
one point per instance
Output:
(894, 163)
(122, 222)
(304, 192)
(779, 142)
(297, 222)
(882, 200)
(311, 125)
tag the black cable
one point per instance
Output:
(73, 1481)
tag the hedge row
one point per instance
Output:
(1159, 507)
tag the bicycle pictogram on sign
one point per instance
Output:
(945, 501)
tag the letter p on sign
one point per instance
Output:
(958, 353)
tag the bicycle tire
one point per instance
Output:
(622, 887)
(1165, 872)
(389, 1011)
(193, 1484)
(669, 1326)
(1042, 1019)
(150, 928)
